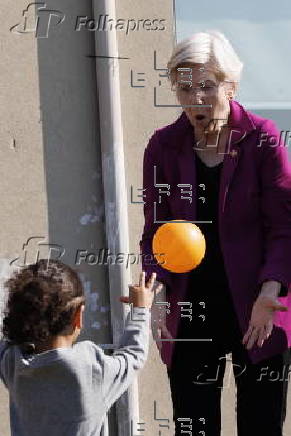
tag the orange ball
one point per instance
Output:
(179, 247)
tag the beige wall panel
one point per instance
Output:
(51, 177)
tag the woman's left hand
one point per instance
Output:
(261, 323)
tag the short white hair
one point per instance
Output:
(210, 48)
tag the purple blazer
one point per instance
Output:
(254, 216)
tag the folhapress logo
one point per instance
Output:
(106, 23)
(38, 19)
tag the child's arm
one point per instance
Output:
(119, 369)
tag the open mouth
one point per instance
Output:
(199, 117)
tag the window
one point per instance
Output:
(260, 32)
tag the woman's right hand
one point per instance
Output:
(158, 317)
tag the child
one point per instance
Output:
(59, 387)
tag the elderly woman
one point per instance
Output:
(241, 184)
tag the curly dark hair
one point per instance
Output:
(42, 299)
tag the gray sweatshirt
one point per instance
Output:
(67, 391)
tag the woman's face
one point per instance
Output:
(206, 89)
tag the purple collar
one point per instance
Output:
(239, 121)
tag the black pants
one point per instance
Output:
(196, 380)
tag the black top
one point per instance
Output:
(208, 281)
(211, 267)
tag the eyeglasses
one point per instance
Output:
(203, 89)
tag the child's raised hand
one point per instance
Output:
(142, 295)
